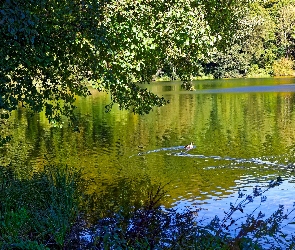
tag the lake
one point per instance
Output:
(242, 129)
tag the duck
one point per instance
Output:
(189, 146)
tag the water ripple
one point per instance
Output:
(185, 153)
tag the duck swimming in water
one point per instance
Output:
(189, 146)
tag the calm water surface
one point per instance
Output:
(243, 131)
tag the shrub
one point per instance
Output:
(283, 67)
(254, 71)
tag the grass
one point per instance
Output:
(38, 212)
(49, 210)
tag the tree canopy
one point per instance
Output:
(50, 49)
(264, 44)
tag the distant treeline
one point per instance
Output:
(264, 45)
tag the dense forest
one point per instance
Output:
(263, 44)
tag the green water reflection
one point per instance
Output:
(111, 147)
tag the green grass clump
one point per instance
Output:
(39, 212)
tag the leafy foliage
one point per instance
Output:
(283, 67)
(50, 48)
(264, 38)
(231, 63)
(38, 212)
